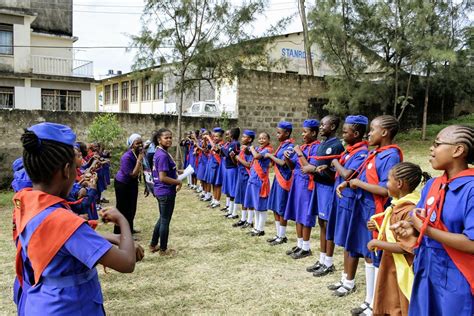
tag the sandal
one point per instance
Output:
(335, 286)
(359, 310)
(344, 291)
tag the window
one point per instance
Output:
(195, 108)
(158, 91)
(6, 39)
(115, 93)
(60, 100)
(107, 94)
(134, 90)
(210, 108)
(7, 95)
(125, 90)
(146, 89)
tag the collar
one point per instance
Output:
(411, 198)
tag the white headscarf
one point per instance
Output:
(132, 139)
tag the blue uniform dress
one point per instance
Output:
(358, 236)
(214, 171)
(242, 180)
(278, 195)
(192, 157)
(439, 287)
(253, 199)
(88, 203)
(223, 171)
(69, 284)
(230, 175)
(297, 208)
(323, 195)
(340, 216)
(202, 166)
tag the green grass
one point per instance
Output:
(5, 198)
(218, 269)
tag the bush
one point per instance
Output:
(105, 129)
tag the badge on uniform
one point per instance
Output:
(17, 203)
(433, 217)
(328, 151)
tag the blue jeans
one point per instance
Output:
(161, 231)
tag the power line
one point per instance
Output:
(77, 47)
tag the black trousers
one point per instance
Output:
(126, 195)
(162, 227)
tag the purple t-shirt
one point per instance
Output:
(162, 162)
(127, 164)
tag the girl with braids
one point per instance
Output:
(395, 278)
(55, 270)
(231, 171)
(442, 228)
(370, 198)
(297, 208)
(203, 154)
(166, 186)
(214, 171)
(258, 187)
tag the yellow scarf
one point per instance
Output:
(405, 275)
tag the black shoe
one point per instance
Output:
(301, 254)
(270, 240)
(224, 209)
(344, 291)
(334, 286)
(324, 270)
(206, 200)
(247, 225)
(293, 250)
(230, 216)
(359, 310)
(227, 215)
(239, 223)
(279, 241)
(314, 267)
(257, 233)
(215, 205)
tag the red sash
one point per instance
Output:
(242, 156)
(311, 177)
(351, 151)
(49, 236)
(285, 184)
(263, 176)
(434, 207)
(217, 156)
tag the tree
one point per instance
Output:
(205, 40)
(105, 129)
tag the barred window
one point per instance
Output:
(134, 91)
(146, 89)
(6, 39)
(158, 91)
(115, 93)
(107, 94)
(125, 90)
(60, 100)
(7, 97)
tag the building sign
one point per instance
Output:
(294, 53)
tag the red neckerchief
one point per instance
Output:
(311, 177)
(263, 176)
(285, 184)
(351, 151)
(242, 156)
(434, 207)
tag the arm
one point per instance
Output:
(138, 166)
(372, 188)
(384, 245)
(277, 161)
(255, 154)
(243, 161)
(343, 172)
(167, 180)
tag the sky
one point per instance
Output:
(111, 22)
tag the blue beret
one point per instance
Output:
(218, 130)
(285, 125)
(311, 124)
(55, 132)
(357, 119)
(203, 130)
(249, 133)
(17, 164)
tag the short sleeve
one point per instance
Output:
(356, 161)
(127, 163)
(162, 164)
(87, 246)
(383, 171)
(469, 216)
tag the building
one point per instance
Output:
(37, 65)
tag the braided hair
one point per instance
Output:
(360, 128)
(410, 173)
(43, 158)
(463, 134)
(389, 123)
(333, 120)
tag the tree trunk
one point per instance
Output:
(180, 114)
(425, 105)
(307, 46)
(395, 101)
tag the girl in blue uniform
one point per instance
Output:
(231, 171)
(56, 272)
(224, 190)
(203, 154)
(297, 208)
(214, 174)
(281, 182)
(243, 158)
(322, 196)
(353, 131)
(258, 186)
(443, 228)
(371, 198)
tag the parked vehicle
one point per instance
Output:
(203, 108)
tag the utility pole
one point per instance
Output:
(307, 46)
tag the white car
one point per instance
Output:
(203, 108)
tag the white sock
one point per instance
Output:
(232, 208)
(300, 242)
(328, 261)
(282, 232)
(344, 276)
(322, 257)
(277, 227)
(349, 283)
(262, 220)
(376, 272)
(369, 280)
(227, 201)
(306, 245)
(244, 215)
(250, 216)
(208, 195)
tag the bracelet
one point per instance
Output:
(300, 156)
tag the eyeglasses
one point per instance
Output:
(438, 143)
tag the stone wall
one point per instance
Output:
(264, 99)
(12, 123)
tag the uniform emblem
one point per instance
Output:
(369, 166)
(17, 203)
(430, 201)
(433, 217)
(328, 151)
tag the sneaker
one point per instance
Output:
(359, 310)
(334, 286)
(239, 223)
(199, 190)
(324, 270)
(343, 290)
(215, 205)
(247, 225)
(230, 216)
(314, 267)
(224, 209)
(227, 214)
(206, 200)
(293, 250)
(279, 241)
(301, 254)
(252, 231)
(168, 252)
(270, 240)
(257, 233)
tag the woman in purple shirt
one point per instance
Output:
(166, 185)
(126, 180)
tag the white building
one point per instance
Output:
(37, 67)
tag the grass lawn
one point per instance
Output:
(218, 269)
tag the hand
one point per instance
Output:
(139, 252)
(371, 225)
(297, 150)
(320, 169)
(146, 192)
(373, 244)
(267, 155)
(141, 154)
(288, 153)
(82, 193)
(93, 183)
(403, 229)
(341, 187)
(354, 183)
(178, 187)
(417, 217)
(308, 169)
(333, 162)
(111, 215)
(232, 154)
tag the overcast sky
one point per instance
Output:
(110, 22)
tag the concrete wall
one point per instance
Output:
(54, 16)
(40, 39)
